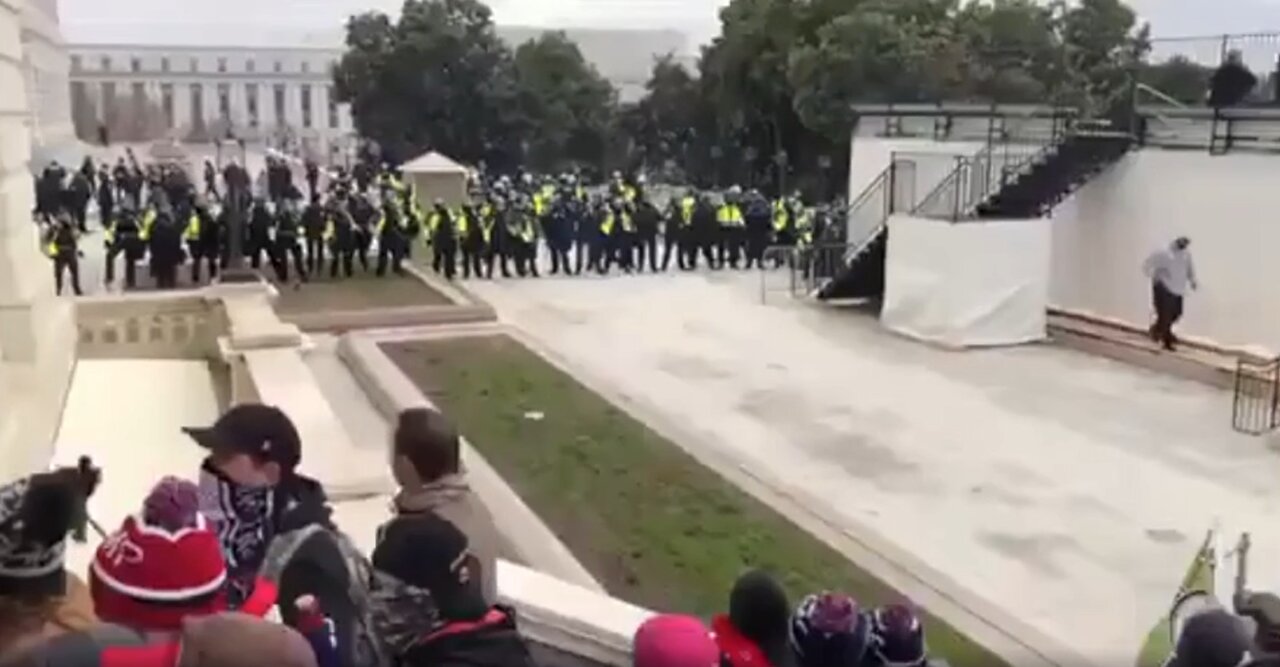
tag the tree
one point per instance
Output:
(438, 79)
(663, 124)
(1179, 77)
(565, 105)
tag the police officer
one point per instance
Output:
(444, 240)
(288, 233)
(314, 224)
(500, 239)
(647, 218)
(732, 224)
(474, 232)
(391, 238)
(62, 244)
(340, 234)
(677, 235)
(164, 237)
(203, 237)
(364, 215)
(261, 222)
(123, 237)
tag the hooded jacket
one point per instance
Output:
(451, 498)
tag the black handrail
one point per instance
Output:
(1255, 407)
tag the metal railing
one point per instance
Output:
(976, 178)
(1255, 408)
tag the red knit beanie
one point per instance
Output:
(161, 566)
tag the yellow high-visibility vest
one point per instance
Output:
(606, 225)
(781, 215)
(193, 228)
(148, 221)
(686, 209)
(329, 230)
(460, 223)
(729, 215)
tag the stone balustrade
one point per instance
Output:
(174, 325)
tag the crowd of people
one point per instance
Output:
(371, 220)
(242, 565)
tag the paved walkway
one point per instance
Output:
(128, 414)
(1068, 490)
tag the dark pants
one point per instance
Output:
(473, 259)
(444, 257)
(315, 254)
(497, 253)
(1168, 308)
(202, 252)
(647, 246)
(123, 249)
(344, 258)
(285, 249)
(69, 262)
(390, 254)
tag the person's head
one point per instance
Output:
(672, 640)
(251, 444)
(829, 630)
(425, 447)
(431, 554)
(240, 640)
(36, 515)
(1181, 243)
(163, 565)
(1233, 57)
(898, 636)
(1213, 638)
(759, 610)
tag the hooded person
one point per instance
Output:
(674, 640)
(427, 466)
(755, 631)
(163, 565)
(39, 600)
(428, 604)
(829, 630)
(897, 638)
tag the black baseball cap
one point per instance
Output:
(263, 431)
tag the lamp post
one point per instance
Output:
(237, 204)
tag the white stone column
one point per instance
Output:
(37, 330)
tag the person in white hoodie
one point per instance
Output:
(1172, 274)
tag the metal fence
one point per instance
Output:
(1176, 70)
(1256, 404)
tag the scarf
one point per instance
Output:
(430, 496)
(242, 518)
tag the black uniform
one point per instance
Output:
(123, 237)
(391, 240)
(340, 233)
(204, 235)
(647, 218)
(259, 234)
(444, 242)
(166, 250)
(63, 247)
(475, 233)
(287, 245)
(313, 225)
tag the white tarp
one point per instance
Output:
(967, 284)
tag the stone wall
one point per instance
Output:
(46, 71)
(37, 330)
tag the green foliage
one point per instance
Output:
(770, 100)
(441, 79)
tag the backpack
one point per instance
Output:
(314, 546)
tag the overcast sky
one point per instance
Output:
(697, 18)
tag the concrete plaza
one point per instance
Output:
(1067, 492)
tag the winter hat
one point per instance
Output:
(36, 513)
(161, 566)
(898, 637)
(239, 640)
(672, 640)
(829, 630)
(1213, 638)
(755, 630)
(430, 553)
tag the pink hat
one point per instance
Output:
(672, 640)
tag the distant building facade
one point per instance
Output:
(282, 97)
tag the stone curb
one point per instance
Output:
(391, 392)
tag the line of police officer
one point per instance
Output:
(376, 223)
